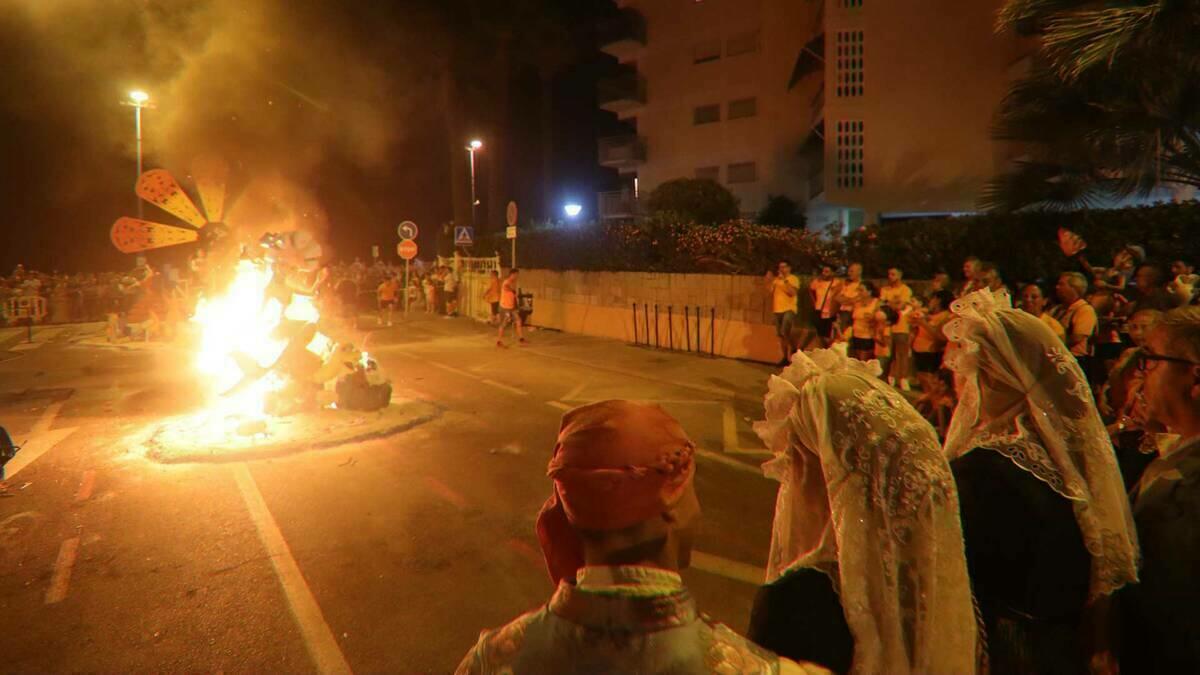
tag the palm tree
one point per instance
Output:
(1112, 107)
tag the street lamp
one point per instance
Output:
(138, 99)
(471, 148)
(572, 210)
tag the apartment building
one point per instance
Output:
(864, 110)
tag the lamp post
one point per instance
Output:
(471, 148)
(138, 99)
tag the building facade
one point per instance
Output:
(862, 110)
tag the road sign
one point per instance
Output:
(511, 215)
(464, 236)
(511, 232)
(407, 249)
(407, 230)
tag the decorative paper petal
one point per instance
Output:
(211, 175)
(131, 235)
(159, 187)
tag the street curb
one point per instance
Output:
(294, 448)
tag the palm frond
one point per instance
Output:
(1046, 185)
(1081, 40)
(1016, 13)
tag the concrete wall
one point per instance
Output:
(675, 86)
(934, 73)
(601, 304)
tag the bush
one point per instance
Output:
(1025, 245)
(693, 200)
(782, 211)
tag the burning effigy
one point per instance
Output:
(272, 373)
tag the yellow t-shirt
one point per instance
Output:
(1054, 326)
(926, 341)
(388, 290)
(780, 300)
(896, 297)
(864, 320)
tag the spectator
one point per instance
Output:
(388, 294)
(615, 532)
(1149, 290)
(940, 282)
(824, 291)
(1159, 616)
(899, 297)
(848, 295)
(1077, 317)
(1045, 518)
(492, 297)
(970, 277)
(509, 292)
(784, 289)
(1179, 267)
(929, 341)
(1122, 400)
(866, 517)
(862, 325)
(1033, 301)
(988, 277)
(450, 288)
(885, 321)
(430, 293)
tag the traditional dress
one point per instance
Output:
(616, 465)
(868, 502)
(1046, 520)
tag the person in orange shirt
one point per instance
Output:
(388, 294)
(508, 309)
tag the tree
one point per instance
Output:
(783, 211)
(696, 200)
(1111, 108)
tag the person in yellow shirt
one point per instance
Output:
(784, 288)
(1033, 301)
(848, 295)
(824, 291)
(492, 297)
(897, 295)
(862, 325)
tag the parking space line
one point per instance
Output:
(63, 565)
(473, 376)
(559, 404)
(318, 638)
(729, 434)
(730, 569)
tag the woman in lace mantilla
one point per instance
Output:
(866, 572)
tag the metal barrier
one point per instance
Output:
(693, 320)
(27, 309)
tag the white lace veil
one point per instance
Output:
(1022, 394)
(867, 497)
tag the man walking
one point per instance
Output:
(784, 288)
(388, 294)
(508, 309)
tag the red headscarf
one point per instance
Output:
(616, 464)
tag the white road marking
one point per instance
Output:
(62, 571)
(730, 569)
(86, 486)
(473, 376)
(42, 440)
(721, 458)
(560, 405)
(9, 333)
(40, 337)
(729, 434)
(575, 392)
(318, 638)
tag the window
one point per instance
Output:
(712, 173)
(850, 4)
(849, 63)
(707, 51)
(745, 172)
(706, 114)
(849, 147)
(745, 107)
(744, 43)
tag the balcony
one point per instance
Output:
(623, 35)
(621, 93)
(620, 205)
(623, 153)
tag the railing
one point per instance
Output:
(630, 26)
(618, 205)
(628, 88)
(621, 151)
(685, 328)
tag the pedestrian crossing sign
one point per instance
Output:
(464, 236)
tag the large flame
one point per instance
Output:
(243, 322)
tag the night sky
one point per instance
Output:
(331, 114)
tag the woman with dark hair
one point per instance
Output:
(862, 324)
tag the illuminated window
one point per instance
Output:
(850, 4)
(744, 172)
(849, 48)
(745, 43)
(706, 114)
(849, 148)
(712, 173)
(746, 107)
(706, 52)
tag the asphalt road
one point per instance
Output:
(383, 556)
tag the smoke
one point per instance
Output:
(287, 91)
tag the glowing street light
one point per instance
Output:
(572, 210)
(138, 99)
(474, 145)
